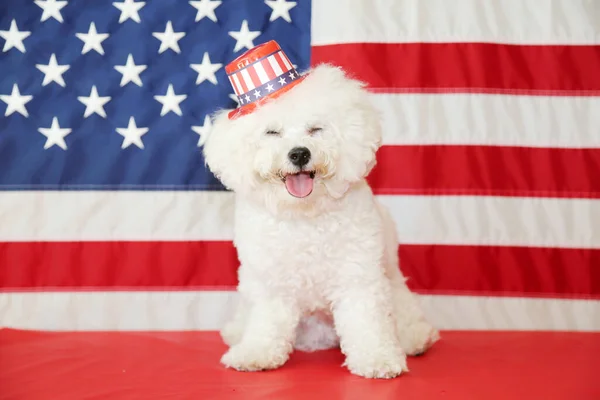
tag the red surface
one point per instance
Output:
(469, 67)
(487, 171)
(463, 365)
(433, 269)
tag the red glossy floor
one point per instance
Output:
(464, 365)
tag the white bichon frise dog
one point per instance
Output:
(319, 263)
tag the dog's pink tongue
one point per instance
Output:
(299, 185)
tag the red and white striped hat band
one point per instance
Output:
(260, 78)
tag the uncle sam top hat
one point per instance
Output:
(260, 74)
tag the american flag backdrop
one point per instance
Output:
(109, 219)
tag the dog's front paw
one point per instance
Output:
(383, 366)
(232, 333)
(418, 337)
(254, 358)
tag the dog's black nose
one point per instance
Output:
(299, 156)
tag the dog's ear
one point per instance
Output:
(361, 138)
(221, 150)
(358, 123)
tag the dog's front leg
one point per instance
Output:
(364, 322)
(268, 337)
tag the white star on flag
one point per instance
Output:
(92, 40)
(281, 8)
(15, 102)
(244, 37)
(170, 101)
(203, 130)
(53, 72)
(55, 135)
(94, 103)
(14, 38)
(168, 39)
(132, 134)
(131, 72)
(206, 70)
(206, 8)
(129, 9)
(51, 8)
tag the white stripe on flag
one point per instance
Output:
(116, 215)
(209, 310)
(536, 121)
(197, 215)
(498, 21)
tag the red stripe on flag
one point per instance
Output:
(474, 270)
(487, 170)
(94, 265)
(469, 67)
(502, 271)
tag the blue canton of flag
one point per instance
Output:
(116, 94)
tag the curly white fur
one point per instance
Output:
(320, 271)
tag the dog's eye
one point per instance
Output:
(314, 129)
(272, 132)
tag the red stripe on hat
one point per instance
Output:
(288, 60)
(242, 82)
(254, 76)
(268, 69)
(280, 62)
